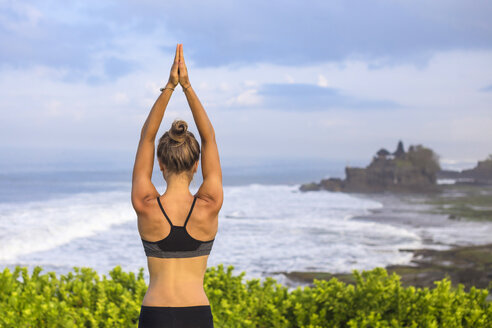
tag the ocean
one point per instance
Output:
(60, 218)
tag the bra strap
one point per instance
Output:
(191, 209)
(162, 209)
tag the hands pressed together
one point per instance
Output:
(179, 72)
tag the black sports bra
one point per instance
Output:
(178, 243)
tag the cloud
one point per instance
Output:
(83, 36)
(67, 38)
(308, 97)
(322, 81)
(46, 41)
(357, 73)
(246, 98)
(305, 33)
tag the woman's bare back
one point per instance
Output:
(177, 281)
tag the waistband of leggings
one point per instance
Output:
(197, 307)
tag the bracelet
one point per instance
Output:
(162, 89)
(186, 88)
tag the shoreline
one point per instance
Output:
(467, 265)
(463, 262)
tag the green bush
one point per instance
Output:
(83, 299)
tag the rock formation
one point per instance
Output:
(479, 175)
(400, 171)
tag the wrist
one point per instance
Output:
(186, 86)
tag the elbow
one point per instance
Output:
(210, 136)
(142, 134)
(209, 139)
(145, 136)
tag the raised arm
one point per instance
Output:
(211, 188)
(143, 190)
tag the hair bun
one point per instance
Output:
(178, 129)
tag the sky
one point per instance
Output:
(280, 80)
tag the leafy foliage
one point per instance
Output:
(425, 159)
(83, 299)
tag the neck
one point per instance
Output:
(178, 185)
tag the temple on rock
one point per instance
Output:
(411, 171)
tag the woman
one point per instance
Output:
(177, 228)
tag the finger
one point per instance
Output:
(176, 56)
(181, 57)
(175, 65)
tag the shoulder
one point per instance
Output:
(210, 205)
(145, 206)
